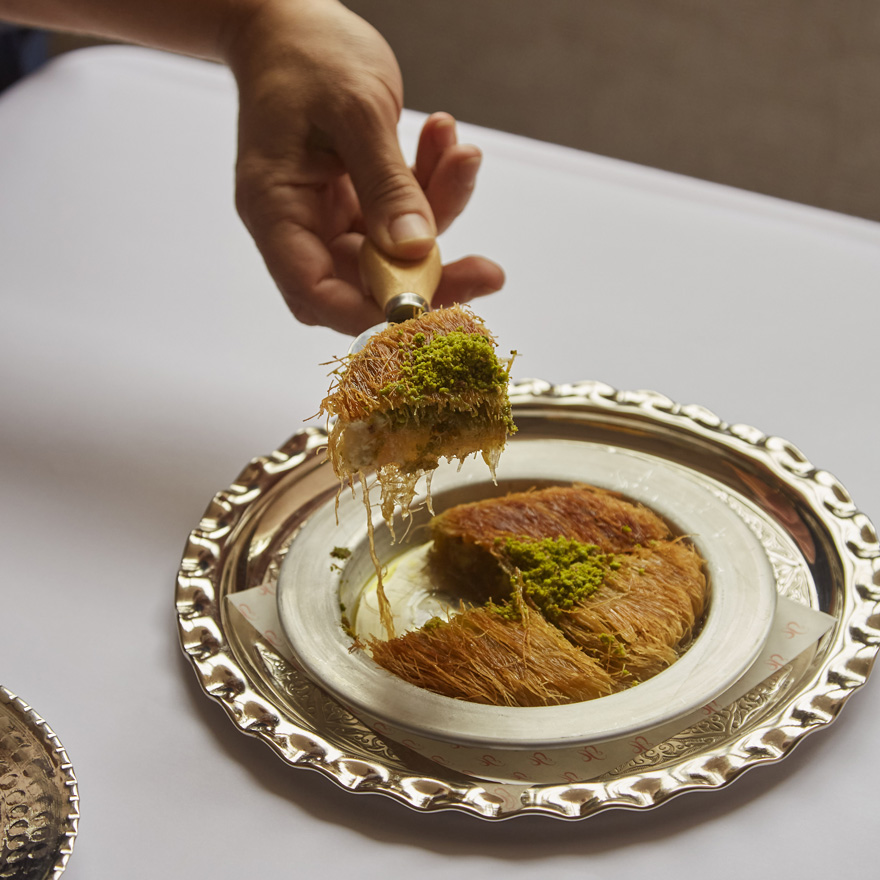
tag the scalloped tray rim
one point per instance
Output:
(846, 668)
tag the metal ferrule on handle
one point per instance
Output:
(402, 288)
(405, 306)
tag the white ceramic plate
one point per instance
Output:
(742, 602)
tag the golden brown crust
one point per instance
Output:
(483, 658)
(633, 626)
(466, 536)
(650, 606)
(355, 395)
(584, 513)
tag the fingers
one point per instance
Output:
(303, 269)
(307, 249)
(438, 135)
(309, 223)
(452, 184)
(467, 279)
(445, 169)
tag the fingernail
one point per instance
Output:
(445, 128)
(409, 227)
(467, 171)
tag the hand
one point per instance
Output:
(319, 163)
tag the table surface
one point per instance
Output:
(146, 357)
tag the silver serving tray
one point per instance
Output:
(39, 801)
(825, 554)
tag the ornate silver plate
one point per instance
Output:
(39, 803)
(823, 551)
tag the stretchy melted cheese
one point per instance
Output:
(427, 389)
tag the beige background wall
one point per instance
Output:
(777, 96)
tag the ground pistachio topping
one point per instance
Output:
(449, 364)
(558, 573)
(505, 610)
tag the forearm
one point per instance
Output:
(192, 27)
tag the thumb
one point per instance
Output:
(396, 212)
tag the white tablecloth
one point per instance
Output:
(146, 357)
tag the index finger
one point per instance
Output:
(304, 270)
(291, 225)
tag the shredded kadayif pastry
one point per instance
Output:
(426, 389)
(581, 593)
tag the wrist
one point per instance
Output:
(246, 21)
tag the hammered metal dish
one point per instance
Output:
(39, 801)
(824, 552)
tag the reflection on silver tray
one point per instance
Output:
(39, 803)
(824, 553)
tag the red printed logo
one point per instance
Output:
(540, 759)
(776, 661)
(640, 744)
(793, 628)
(591, 753)
(246, 611)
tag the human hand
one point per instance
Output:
(319, 163)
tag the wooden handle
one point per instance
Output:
(385, 277)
